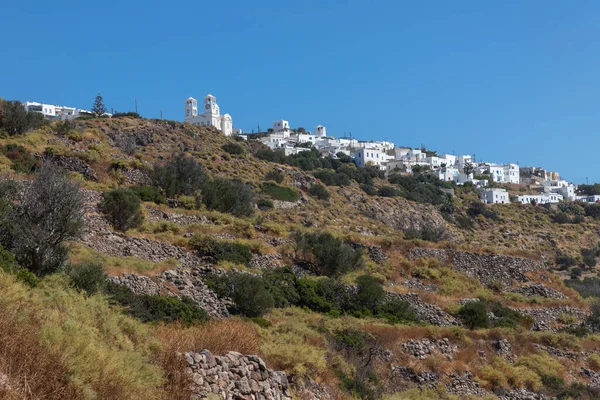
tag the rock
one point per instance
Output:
(71, 164)
(537, 289)
(229, 377)
(425, 311)
(490, 269)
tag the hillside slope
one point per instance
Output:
(302, 295)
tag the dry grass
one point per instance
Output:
(219, 337)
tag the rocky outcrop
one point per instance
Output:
(422, 349)
(504, 349)
(266, 261)
(156, 215)
(537, 289)
(490, 269)
(177, 283)
(235, 376)
(464, 386)
(426, 312)
(137, 177)
(396, 212)
(423, 378)
(71, 164)
(521, 394)
(544, 318)
(375, 253)
(285, 205)
(416, 284)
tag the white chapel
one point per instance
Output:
(211, 116)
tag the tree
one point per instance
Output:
(468, 169)
(98, 109)
(369, 292)
(49, 213)
(180, 175)
(122, 208)
(474, 315)
(319, 191)
(228, 196)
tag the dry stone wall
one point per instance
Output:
(488, 268)
(178, 283)
(235, 376)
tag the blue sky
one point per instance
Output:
(509, 81)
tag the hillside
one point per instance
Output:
(254, 275)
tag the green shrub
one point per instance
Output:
(474, 315)
(149, 193)
(369, 292)
(319, 191)
(233, 148)
(14, 120)
(281, 283)
(274, 175)
(180, 175)
(588, 287)
(22, 160)
(508, 318)
(122, 208)
(220, 250)
(388, 191)
(279, 192)
(593, 211)
(478, 208)
(324, 295)
(251, 296)
(265, 204)
(8, 264)
(368, 189)
(157, 308)
(327, 254)
(228, 196)
(262, 322)
(431, 233)
(89, 277)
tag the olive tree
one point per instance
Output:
(47, 213)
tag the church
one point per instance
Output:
(211, 116)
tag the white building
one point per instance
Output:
(52, 111)
(320, 131)
(366, 157)
(543, 198)
(504, 173)
(494, 196)
(281, 127)
(211, 115)
(588, 199)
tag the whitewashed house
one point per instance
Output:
(211, 115)
(504, 173)
(494, 196)
(588, 199)
(447, 174)
(463, 160)
(365, 157)
(53, 111)
(543, 198)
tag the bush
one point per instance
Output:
(565, 261)
(265, 204)
(14, 120)
(368, 189)
(274, 176)
(180, 175)
(149, 193)
(221, 251)
(396, 312)
(228, 196)
(22, 160)
(429, 233)
(8, 264)
(478, 208)
(464, 222)
(49, 213)
(280, 192)
(474, 315)
(328, 255)
(593, 211)
(589, 287)
(130, 114)
(281, 283)
(89, 277)
(122, 209)
(508, 318)
(251, 296)
(319, 191)
(369, 292)
(387, 191)
(157, 308)
(233, 148)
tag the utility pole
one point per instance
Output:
(160, 114)
(136, 107)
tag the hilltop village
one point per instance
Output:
(544, 187)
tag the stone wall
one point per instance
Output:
(488, 268)
(427, 312)
(235, 376)
(178, 283)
